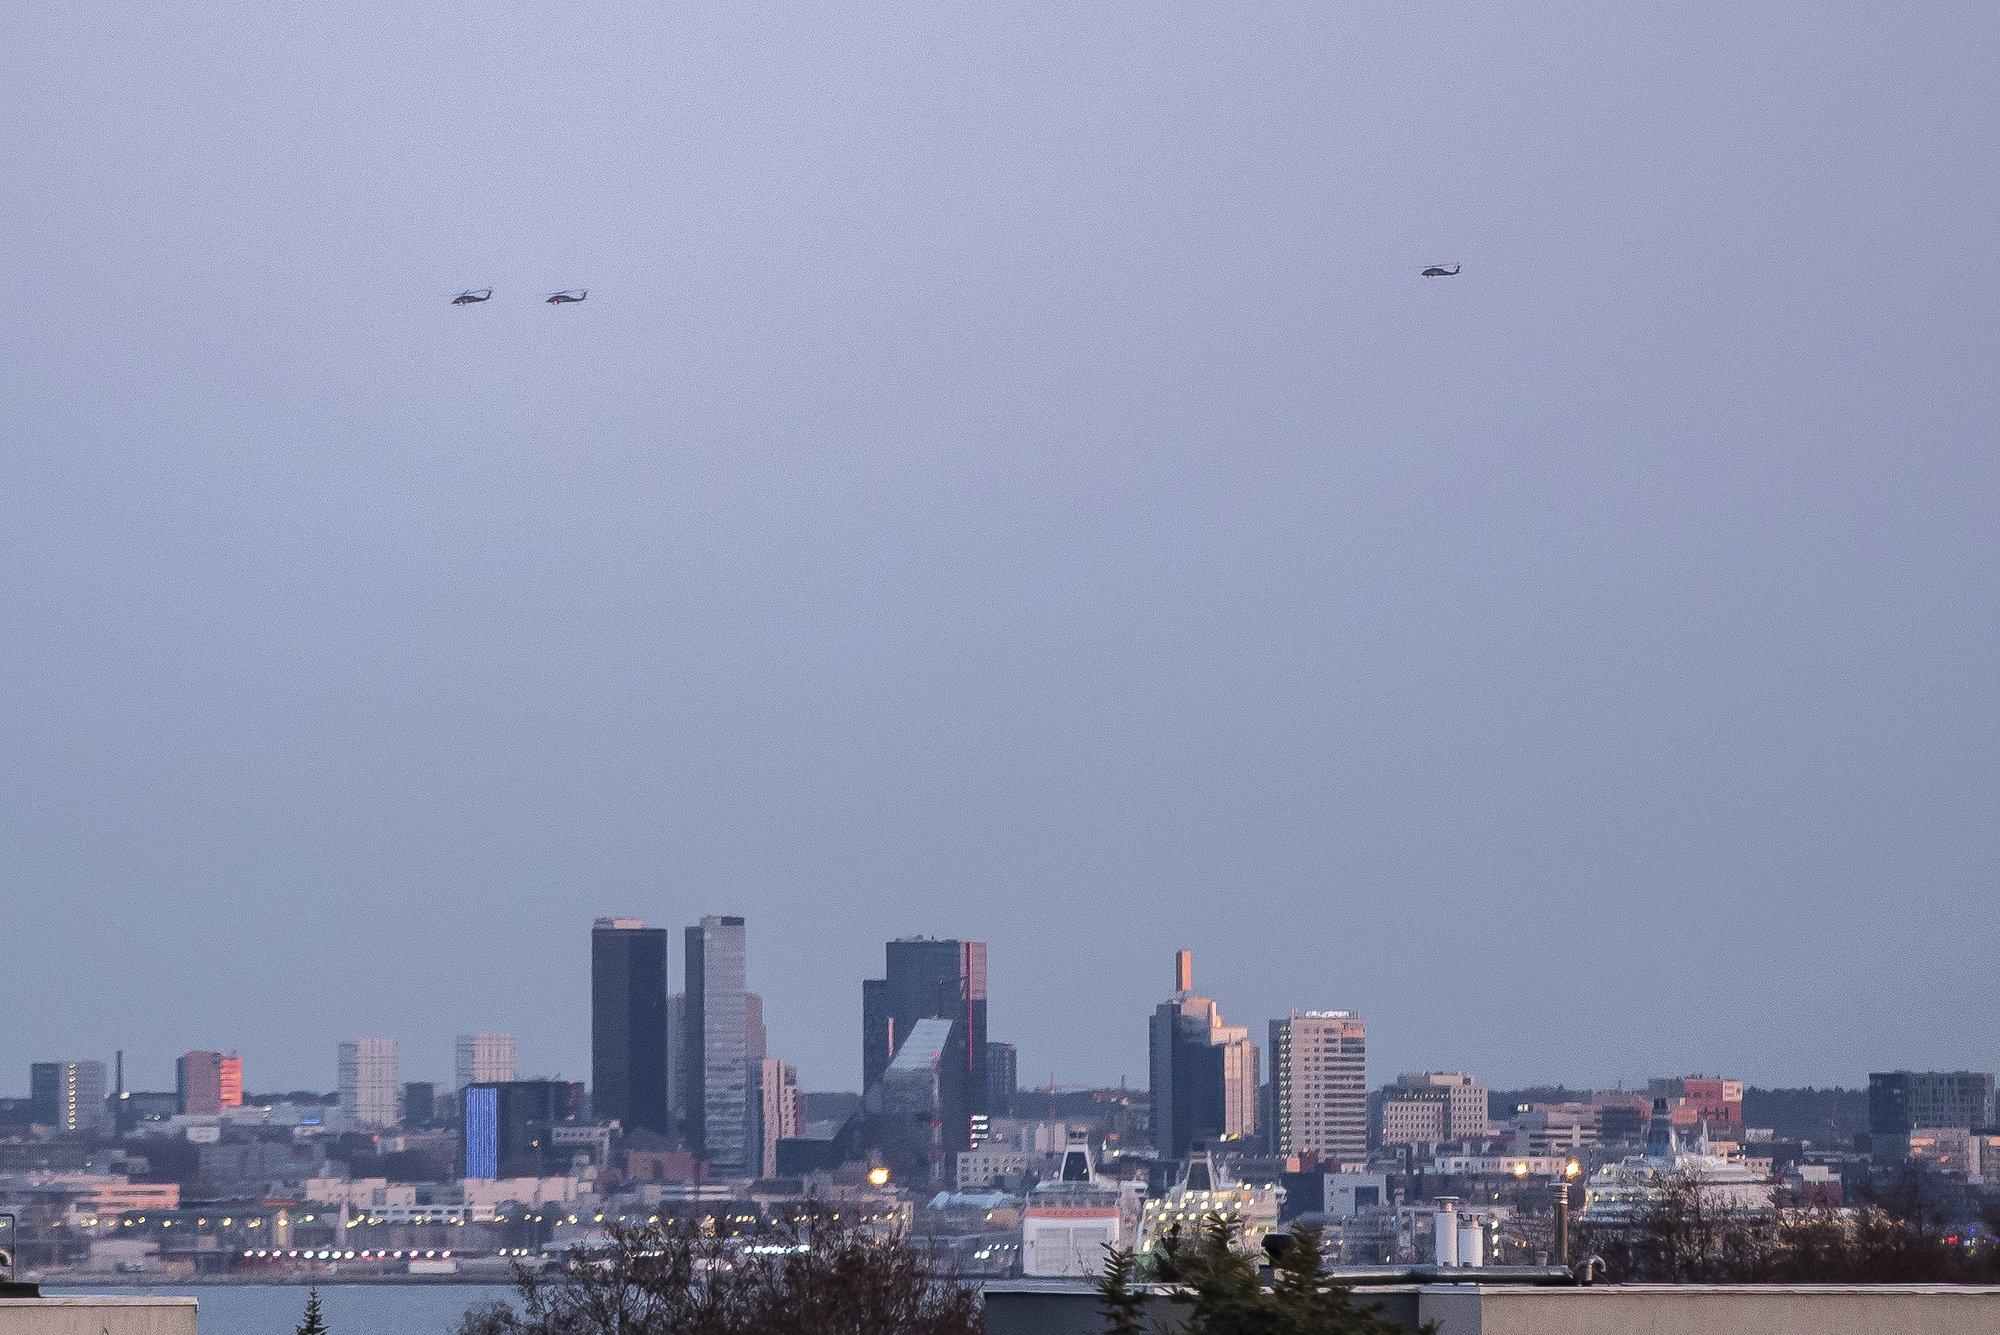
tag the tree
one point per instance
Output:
(312, 1323)
(1893, 1236)
(816, 1277)
(1308, 1303)
(1121, 1303)
(1227, 1294)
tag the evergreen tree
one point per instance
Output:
(312, 1323)
(1120, 1302)
(1227, 1295)
(1308, 1303)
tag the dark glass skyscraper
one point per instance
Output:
(927, 979)
(628, 1024)
(715, 1064)
(1003, 1079)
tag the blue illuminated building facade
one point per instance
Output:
(505, 1126)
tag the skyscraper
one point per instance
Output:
(1003, 1078)
(485, 1059)
(930, 979)
(716, 1062)
(907, 1105)
(628, 1024)
(368, 1082)
(207, 1082)
(68, 1096)
(1319, 1086)
(1202, 1072)
(779, 1109)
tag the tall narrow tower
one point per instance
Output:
(1203, 1073)
(628, 1024)
(715, 1064)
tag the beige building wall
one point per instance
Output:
(1661, 1309)
(97, 1316)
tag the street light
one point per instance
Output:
(1571, 1170)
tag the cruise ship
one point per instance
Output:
(1206, 1192)
(1072, 1218)
(1620, 1193)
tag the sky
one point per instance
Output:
(1008, 481)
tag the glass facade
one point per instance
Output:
(929, 979)
(482, 1131)
(716, 1063)
(628, 1024)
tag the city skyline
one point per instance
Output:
(498, 1046)
(1009, 481)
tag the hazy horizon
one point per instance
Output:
(1008, 481)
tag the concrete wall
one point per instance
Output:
(1663, 1309)
(97, 1316)
(1070, 1307)
(1060, 1307)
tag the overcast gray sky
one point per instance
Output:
(1008, 480)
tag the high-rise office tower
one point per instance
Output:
(1202, 1072)
(1319, 1086)
(927, 979)
(368, 1082)
(628, 1024)
(907, 1109)
(68, 1096)
(1003, 1078)
(207, 1082)
(715, 1065)
(485, 1059)
(779, 1106)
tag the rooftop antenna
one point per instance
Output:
(1183, 971)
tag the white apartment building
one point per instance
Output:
(1319, 1084)
(368, 1087)
(485, 1059)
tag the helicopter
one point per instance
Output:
(565, 298)
(1441, 271)
(472, 296)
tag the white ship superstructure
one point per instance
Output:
(1204, 1193)
(1070, 1220)
(1622, 1192)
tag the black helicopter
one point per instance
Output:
(565, 298)
(1441, 271)
(472, 296)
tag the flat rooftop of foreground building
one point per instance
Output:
(1070, 1307)
(81, 1315)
